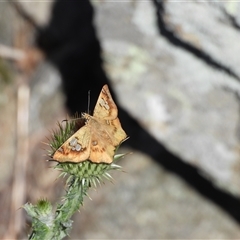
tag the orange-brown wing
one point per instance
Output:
(105, 108)
(106, 136)
(76, 148)
(116, 133)
(102, 149)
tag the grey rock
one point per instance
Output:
(182, 101)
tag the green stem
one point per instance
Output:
(48, 227)
(73, 200)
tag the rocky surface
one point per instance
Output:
(147, 202)
(189, 104)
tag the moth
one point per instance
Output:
(98, 138)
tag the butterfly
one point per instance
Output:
(98, 138)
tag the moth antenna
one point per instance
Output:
(65, 120)
(76, 117)
(88, 107)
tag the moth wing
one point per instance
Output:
(102, 150)
(105, 107)
(76, 148)
(105, 138)
(115, 131)
(97, 140)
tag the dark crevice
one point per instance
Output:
(231, 20)
(171, 37)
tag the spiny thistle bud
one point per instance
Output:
(93, 172)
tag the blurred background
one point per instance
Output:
(173, 70)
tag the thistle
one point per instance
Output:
(48, 224)
(85, 151)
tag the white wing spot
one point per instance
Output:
(94, 143)
(75, 145)
(78, 147)
(73, 142)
